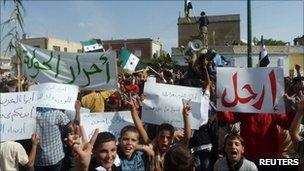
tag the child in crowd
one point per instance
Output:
(130, 152)
(164, 139)
(234, 160)
(105, 153)
(179, 158)
(12, 154)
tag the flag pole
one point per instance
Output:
(249, 44)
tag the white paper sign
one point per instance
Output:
(17, 115)
(163, 104)
(250, 90)
(106, 121)
(55, 95)
(90, 71)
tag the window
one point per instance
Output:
(37, 46)
(65, 49)
(56, 48)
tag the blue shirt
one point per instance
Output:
(136, 163)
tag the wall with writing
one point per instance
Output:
(106, 121)
(163, 104)
(17, 115)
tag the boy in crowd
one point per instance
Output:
(234, 160)
(130, 152)
(164, 139)
(12, 154)
(105, 153)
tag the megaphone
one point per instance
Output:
(196, 45)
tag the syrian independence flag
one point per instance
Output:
(128, 60)
(92, 45)
(263, 56)
(188, 6)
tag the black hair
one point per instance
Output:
(103, 137)
(128, 128)
(165, 127)
(178, 158)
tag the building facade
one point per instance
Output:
(53, 44)
(222, 30)
(144, 48)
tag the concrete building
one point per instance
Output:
(299, 41)
(5, 63)
(222, 30)
(53, 44)
(145, 48)
(282, 56)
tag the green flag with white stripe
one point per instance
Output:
(128, 60)
(92, 45)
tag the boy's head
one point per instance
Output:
(234, 147)
(129, 138)
(164, 137)
(178, 158)
(105, 149)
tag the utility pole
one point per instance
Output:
(249, 44)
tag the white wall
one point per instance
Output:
(241, 61)
(155, 48)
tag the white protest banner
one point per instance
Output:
(106, 121)
(90, 71)
(250, 90)
(163, 104)
(17, 115)
(54, 95)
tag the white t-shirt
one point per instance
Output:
(11, 154)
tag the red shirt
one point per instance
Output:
(259, 132)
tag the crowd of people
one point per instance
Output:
(228, 141)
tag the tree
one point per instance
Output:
(14, 25)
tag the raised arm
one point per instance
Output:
(187, 125)
(77, 110)
(295, 125)
(205, 74)
(137, 121)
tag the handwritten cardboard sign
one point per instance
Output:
(250, 90)
(91, 71)
(17, 115)
(106, 121)
(163, 104)
(54, 95)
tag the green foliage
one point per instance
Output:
(269, 42)
(161, 60)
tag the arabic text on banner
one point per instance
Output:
(54, 95)
(250, 90)
(163, 104)
(17, 115)
(90, 71)
(106, 121)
